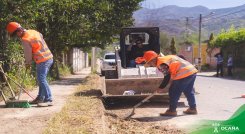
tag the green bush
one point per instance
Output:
(64, 70)
(14, 67)
(15, 63)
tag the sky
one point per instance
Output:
(211, 4)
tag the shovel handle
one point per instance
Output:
(6, 80)
(143, 101)
(18, 85)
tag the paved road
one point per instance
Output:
(219, 98)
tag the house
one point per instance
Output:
(190, 52)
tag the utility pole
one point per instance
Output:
(93, 60)
(186, 27)
(199, 43)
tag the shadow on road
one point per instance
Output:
(156, 118)
(238, 98)
(69, 81)
(123, 104)
(92, 92)
(3, 106)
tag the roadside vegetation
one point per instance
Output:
(84, 112)
(81, 113)
(231, 42)
(64, 25)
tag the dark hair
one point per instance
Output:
(18, 29)
(221, 52)
(139, 39)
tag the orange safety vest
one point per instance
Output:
(40, 50)
(178, 67)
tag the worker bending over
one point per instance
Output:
(182, 75)
(35, 48)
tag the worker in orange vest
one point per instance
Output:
(182, 75)
(35, 48)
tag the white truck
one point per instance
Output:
(108, 63)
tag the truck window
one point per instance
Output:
(132, 37)
(110, 57)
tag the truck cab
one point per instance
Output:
(149, 36)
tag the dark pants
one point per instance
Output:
(219, 69)
(184, 85)
(132, 63)
(229, 70)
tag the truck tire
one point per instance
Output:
(102, 73)
(111, 74)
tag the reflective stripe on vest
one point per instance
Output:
(40, 50)
(178, 67)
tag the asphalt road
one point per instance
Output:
(219, 98)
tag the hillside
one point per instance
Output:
(172, 19)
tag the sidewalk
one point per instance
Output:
(208, 74)
(33, 120)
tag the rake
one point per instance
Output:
(128, 116)
(13, 102)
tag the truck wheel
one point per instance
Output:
(102, 73)
(111, 74)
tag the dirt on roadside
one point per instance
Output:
(85, 113)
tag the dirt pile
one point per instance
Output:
(86, 113)
(131, 126)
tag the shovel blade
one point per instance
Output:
(128, 116)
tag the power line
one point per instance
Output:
(205, 19)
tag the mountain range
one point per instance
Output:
(175, 20)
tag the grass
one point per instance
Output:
(64, 70)
(79, 113)
(84, 113)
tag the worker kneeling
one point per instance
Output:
(182, 75)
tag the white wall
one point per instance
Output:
(78, 59)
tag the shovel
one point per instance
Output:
(137, 105)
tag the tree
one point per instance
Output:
(232, 42)
(164, 41)
(66, 24)
(84, 24)
(172, 46)
(210, 48)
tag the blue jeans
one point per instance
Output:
(44, 92)
(184, 85)
(132, 63)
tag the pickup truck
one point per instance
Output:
(108, 63)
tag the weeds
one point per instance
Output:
(84, 114)
(64, 70)
(79, 114)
